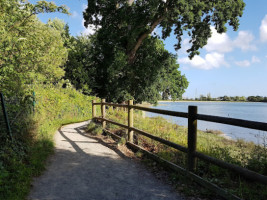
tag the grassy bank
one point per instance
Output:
(25, 156)
(245, 154)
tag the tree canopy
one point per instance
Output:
(30, 51)
(131, 62)
(129, 22)
(99, 70)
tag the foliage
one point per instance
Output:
(130, 62)
(128, 23)
(31, 56)
(25, 157)
(245, 154)
(109, 75)
(79, 68)
(94, 128)
(30, 51)
(257, 99)
(233, 98)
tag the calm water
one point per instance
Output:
(247, 111)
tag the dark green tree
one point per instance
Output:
(128, 23)
(127, 57)
(155, 71)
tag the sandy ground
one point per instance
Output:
(82, 169)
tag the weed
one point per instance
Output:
(210, 142)
(94, 128)
(25, 157)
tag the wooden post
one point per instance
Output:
(103, 112)
(93, 110)
(192, 137)
(5, 116)
(130, 121)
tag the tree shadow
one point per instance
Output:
(87, 168)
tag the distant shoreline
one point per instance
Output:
(161, 101)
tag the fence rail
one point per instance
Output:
(192, 154)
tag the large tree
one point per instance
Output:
(129, 22)
(30, 50)
(127, 57)
(101, 70)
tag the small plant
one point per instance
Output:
(25, 157)
(122, 141)
(94, 128)
(139, 154)
(210, 142)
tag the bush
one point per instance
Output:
(210, 142)
(25, 156)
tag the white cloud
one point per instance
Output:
(219, 42)
(211, 60)
(263, 29)
(243, 63)
(223, 44)
(184, 46)
(244, 40)
(84, 6)
(255, 59)
(247, 63)
(90, 30)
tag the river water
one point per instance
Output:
(239, 110)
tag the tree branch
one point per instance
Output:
(132, 53)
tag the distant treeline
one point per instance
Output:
(234, 98)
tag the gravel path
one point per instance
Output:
(84, 169)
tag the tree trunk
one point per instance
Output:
(132, 53)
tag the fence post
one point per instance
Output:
(33, 102)
(192, 137)
(130, 121)
(93, 110)
(103, 112)
(5, 116)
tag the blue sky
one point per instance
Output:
(233, 63)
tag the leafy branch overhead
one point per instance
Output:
(132, 21)
(30, 51)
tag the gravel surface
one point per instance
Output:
(82, 169)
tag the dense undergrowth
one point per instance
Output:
(24, 156)
(245, 154)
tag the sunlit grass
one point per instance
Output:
(212, 143)
(25, 157)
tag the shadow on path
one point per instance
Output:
(84, 168)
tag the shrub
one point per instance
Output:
(25, 156)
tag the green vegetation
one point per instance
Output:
(245, 154)
(31, 58)
(131, 22)
(229, 98)
(128, 61)
(122, 60)
(94, 129)
(33, 136)
(154, 72)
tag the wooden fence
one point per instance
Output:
(192, 154)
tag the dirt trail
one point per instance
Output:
(84, 169)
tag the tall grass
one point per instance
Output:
(25, 156)
(245, 154)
